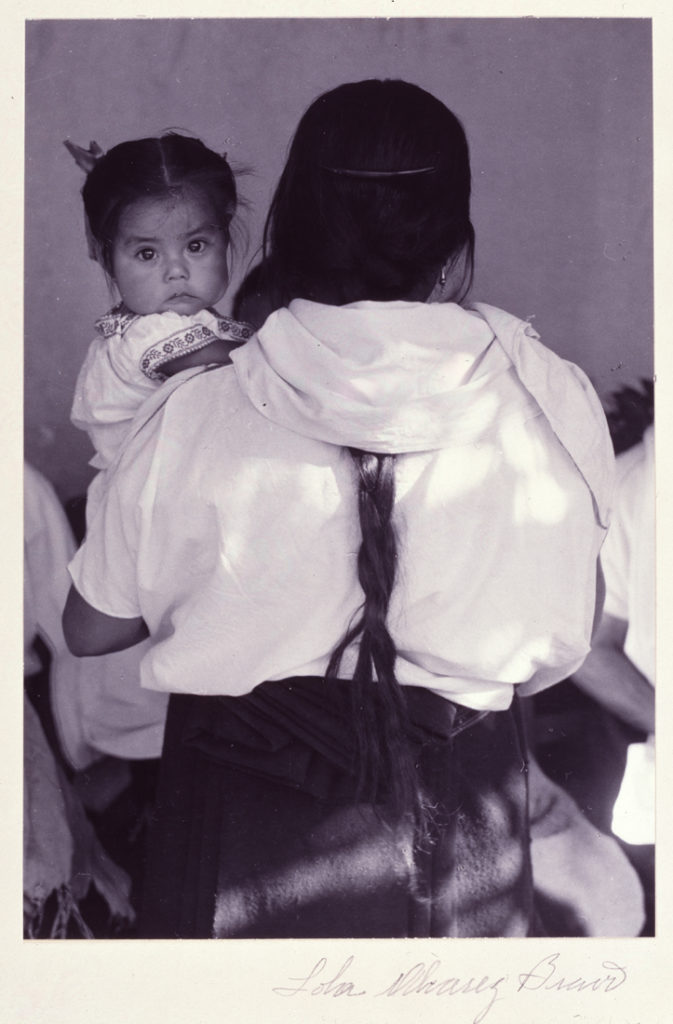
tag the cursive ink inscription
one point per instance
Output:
(545, 976)
(336, 986)
(422, 979)
(431, 978)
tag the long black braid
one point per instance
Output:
(378, 707)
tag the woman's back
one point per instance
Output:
(256, 578)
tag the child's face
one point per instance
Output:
(170, 255)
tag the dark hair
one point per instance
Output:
(170, 165)
(373, 200)
(630, 411)
(340, 228)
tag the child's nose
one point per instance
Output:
(176, 268)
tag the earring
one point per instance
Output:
(442, 276)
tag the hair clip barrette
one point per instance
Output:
(352, 173)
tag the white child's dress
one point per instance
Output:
(123, 366)
(126, 363)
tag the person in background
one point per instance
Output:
(64, 862)
(619, 672)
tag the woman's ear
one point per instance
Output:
(449, 279)
(440, 290)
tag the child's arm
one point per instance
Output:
(180, 342)
(218, 351)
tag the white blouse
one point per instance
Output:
(231, 523)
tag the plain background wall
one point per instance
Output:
(557, 111)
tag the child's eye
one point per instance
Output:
(145, 255)
(197, 245)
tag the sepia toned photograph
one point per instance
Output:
(339, 502)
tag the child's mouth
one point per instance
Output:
(185, 299)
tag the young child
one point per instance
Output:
(158, 215)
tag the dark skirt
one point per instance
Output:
(258, 832)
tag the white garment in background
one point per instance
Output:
(231, 523)
(628, 560)
(48, 545)
(98, 705)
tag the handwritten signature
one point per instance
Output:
(429, 978)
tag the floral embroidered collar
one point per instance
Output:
(116, 321)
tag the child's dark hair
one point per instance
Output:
(373, 201)
(169, 165)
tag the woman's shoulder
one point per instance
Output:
(516, 334)
(535, 361)
(567, 398)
